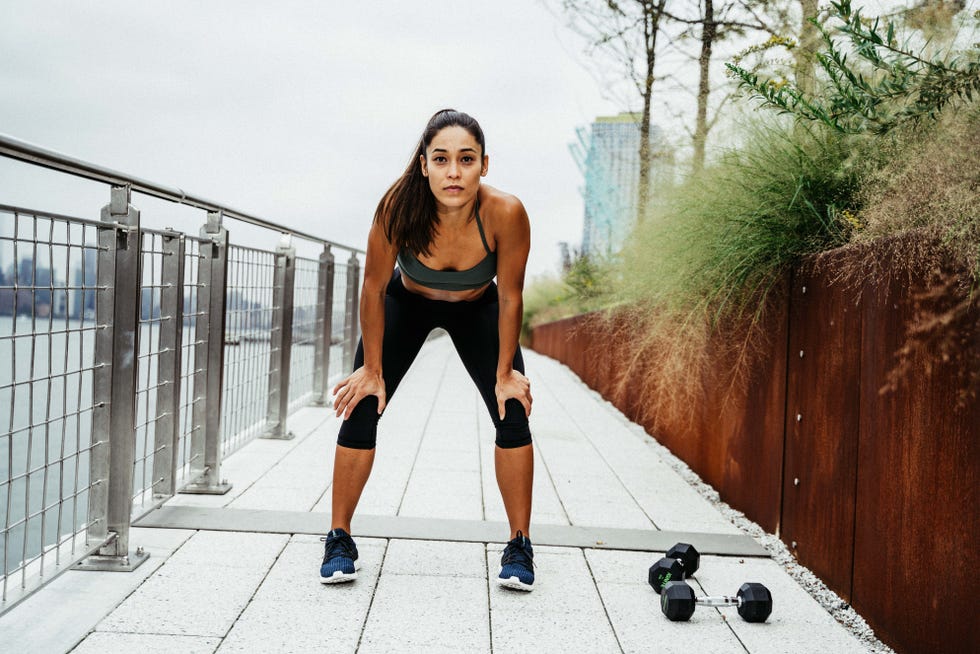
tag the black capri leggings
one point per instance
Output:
(409, 317)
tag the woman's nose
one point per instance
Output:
(453, 169)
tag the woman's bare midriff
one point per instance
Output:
(443, 296)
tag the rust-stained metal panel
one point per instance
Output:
(729, 432)
(916, 556)
(822, 420)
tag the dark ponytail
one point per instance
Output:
(407, 212)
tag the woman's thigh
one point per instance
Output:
(477, 340)
(405, 331)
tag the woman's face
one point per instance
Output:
(454, 165)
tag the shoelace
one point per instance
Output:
(343, 543)
(515, 553)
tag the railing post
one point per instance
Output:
(114, 387)
(281, 345)
(351, 321)
(167, 431)
(324, 329)
(209, 361)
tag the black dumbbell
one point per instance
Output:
(682, 561)
(677, 601)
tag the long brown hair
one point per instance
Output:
(407, 212)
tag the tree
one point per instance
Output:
(627, 31)
(715, 22)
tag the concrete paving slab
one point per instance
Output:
(63, 612)
(100, 642)
(564, 613)
(634, 610)
(229, 550)
(451, 494)
(180, 598)
(297, 627)
(797, 624)
(186, 600)
(292, 498)
(414, 613)
(641, 627)
(436, 559)
(307, 420)
(295, 576)
(293, 612)
(436, 460)
(242, 469)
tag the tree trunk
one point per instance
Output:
(708, 33)
(652, 12)
(805, 53)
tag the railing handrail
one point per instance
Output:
(15, 148)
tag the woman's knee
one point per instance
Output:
(360, 430)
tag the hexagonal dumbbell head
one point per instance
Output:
(756, 604)
(677, 601)
(688, 555)
(665, 570)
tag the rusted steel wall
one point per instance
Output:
(917, 519)
(823, 390)
(875, 485)
(729, 431)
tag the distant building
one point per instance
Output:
(82, 294)
(608, 154)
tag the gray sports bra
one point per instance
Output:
(451, 280)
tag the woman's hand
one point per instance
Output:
(513, 386)
(361, 383)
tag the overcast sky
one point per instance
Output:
(301, 112)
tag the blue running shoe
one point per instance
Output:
(339, 558)
(517, 564)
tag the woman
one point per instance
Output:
(450, 236)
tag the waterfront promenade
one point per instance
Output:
(238, 572)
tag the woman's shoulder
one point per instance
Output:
(499, 206)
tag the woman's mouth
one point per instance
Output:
(453, 189)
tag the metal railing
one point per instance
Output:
(133, 360)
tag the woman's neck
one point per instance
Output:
(456, 215)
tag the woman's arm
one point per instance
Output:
(368, 379)
(513, 237)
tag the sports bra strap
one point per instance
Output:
(479, 225)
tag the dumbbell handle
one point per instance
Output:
(718, 601)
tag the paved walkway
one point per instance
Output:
(238, 573)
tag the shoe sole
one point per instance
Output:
(339, 577)
(514, 584)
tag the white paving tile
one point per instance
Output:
(201, 589)
(797, 624)
(100, 642)
(293, 612)
(295, 577)
(412, 613)
(436, 559)
(634, 610)
(229, 549)
(443, 494)
(562, 614)
(64, 611)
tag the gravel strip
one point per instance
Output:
(828, 599)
